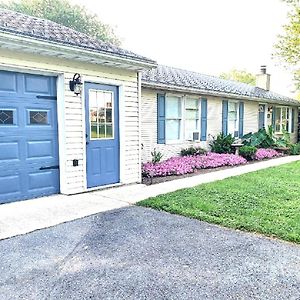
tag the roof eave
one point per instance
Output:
(161, 86)
(37, 46)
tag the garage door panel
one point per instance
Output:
(30, 142)
(43, 181)
(10, 184)
(8, 82)
(9, 151)
(35, 84)
(40, 149)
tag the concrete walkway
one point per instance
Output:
(26, 216)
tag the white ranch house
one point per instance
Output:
(77, 114)
(182, 108)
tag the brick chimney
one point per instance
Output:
(263, 79)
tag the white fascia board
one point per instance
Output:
(213, 93)
(76, 53)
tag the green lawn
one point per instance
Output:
(266, 201)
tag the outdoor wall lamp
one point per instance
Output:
(76, 84)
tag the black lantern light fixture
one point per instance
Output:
(76, 84)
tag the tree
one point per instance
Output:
(239, 75)
(288, 45)
(64, 13)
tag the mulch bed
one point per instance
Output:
(155, 180)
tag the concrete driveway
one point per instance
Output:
(137, 253)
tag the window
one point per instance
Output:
(282, 119)
(6, 117)
(191, 118)
(233, 119)
(173, 118)
(101, 114)
(37, 117)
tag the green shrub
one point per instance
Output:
(192, 151)
(294, 149)
(263, 138)
(248, 152)
(266, 138)
(222, 143)
(156, 156)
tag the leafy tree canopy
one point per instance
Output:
(67, 14)
(288, 45)
(239, 75)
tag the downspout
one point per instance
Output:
(139, 82)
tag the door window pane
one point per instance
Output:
(6, 117)
(101, 114)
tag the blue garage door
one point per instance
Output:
(28, 136)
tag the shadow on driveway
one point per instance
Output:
(138, 253)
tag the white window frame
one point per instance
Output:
(289, 115)
(181, 119)
(113, 113)
(184, 117)
(182, 137)
(238, 117)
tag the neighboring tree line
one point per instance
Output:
(239, 75)
(63, 12)
(288, 45)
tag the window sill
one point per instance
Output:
(182, 142)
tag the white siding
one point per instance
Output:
(250, 116)
(71, 114)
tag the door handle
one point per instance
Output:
(49, 168)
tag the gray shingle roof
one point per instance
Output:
(168, 76)
(46, 30)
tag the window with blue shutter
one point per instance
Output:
(161, 119)
(241, 119)
(203, 119)
(273, 118)
(225, 116)
(293, 121)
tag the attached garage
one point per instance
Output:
(55, 138)
(29, 136)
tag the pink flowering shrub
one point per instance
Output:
(263, 153)
(188, 164)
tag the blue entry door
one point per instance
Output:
(261, 116)
(28, 136)
(102, 134)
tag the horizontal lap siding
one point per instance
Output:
(250, 116)
(74, 117)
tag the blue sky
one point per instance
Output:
(208, 36)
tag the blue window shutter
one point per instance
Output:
(161, 119)
(203, 119)
(225, 117)
(273, 117)
(241, 119)
(293, 121)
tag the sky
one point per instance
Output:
(206, 36)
